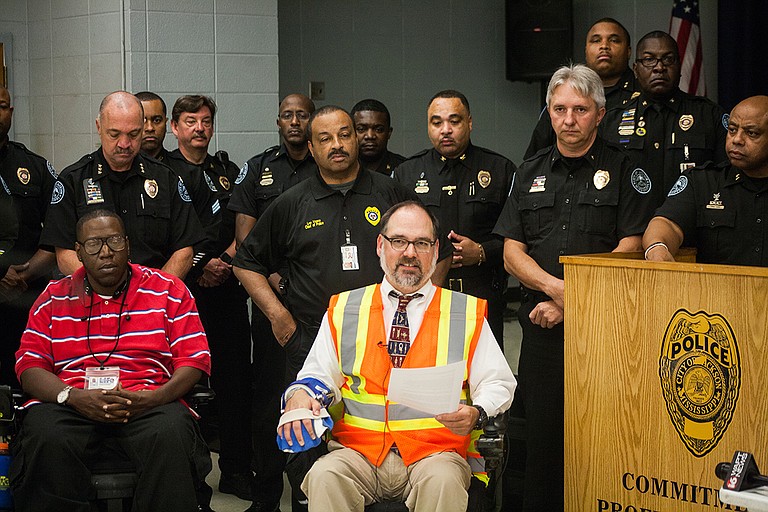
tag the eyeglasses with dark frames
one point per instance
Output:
(401, 244)
(93, 246)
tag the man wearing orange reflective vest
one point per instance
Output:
(383, 450)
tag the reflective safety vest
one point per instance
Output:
(371, 424)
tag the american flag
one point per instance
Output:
(684, 27)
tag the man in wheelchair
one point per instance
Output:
(383, 450)
(107, 355)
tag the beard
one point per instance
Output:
(410, 280)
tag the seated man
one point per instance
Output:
(719, 208)
(108, 353)
(383, 450)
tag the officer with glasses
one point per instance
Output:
(664, 129)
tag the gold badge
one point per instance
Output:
(686, 121)
(640, 132)
(372, 215)
(635, 95)
(700, 372)
(224, 182)
(150, 187)
(601, 179)
(23, 174)
(484, 178)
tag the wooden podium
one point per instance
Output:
(666, 374)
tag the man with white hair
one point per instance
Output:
(579, 197)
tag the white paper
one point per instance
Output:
(433, 390)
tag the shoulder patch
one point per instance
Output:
(183, 194)
(726, 118)
(242, 174)
(58, 193)
(51, 170)
(5, 186)
(209, 182)
(641, 181)
(679, 186)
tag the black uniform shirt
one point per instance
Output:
(616, 96)
(466, 194)
(388, 164)
(205, 201)
(557, 208)
(266, 176)
(683, 131)
(306, 227)
(30, 179)
(723, 213)
(9, 226)
(152, 201)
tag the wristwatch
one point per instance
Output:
(482, 420)
(63, 395)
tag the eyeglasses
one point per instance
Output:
(401, 244)
(650, 62)
(93, 246)
(288, 115)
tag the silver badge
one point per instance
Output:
(601, 179)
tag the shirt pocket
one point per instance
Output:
(708, 218)
(537, 214)
(598, 211)
(154, 219)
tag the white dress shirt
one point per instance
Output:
(491, 382)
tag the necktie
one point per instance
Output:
(399, 336)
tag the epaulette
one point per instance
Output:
(418, 155)
(85, 160)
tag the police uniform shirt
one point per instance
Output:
(152, 201)
(205, 201)
(306, 227)
(9, 226)
(616, 96)
(466, 194)
(561, 206)
(388, 164)
(30, 179)
(266, 176)
(665, 138)
(723, 213)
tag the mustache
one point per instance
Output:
(335, 152)
(411, 262)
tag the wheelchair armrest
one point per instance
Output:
(490, 444)
(199, 395)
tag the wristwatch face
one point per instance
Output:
(63, 395)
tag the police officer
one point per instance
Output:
(374, 128)
(721, 208)
(664, 129)
(607, 52)
(261, 180)
(29, 179)
(155, 125)
(153, 203)
(465, 186)
(220, 299)
(575, 198)
(324, 229)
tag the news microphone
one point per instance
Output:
(741, 473)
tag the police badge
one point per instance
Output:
(700, 373)
(484, 178)
(150, 187)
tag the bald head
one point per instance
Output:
(120, 124)
(747, 139)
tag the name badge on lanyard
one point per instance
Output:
(102, 378)
(349, 259)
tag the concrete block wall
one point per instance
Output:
(69, 53)
(402, 52)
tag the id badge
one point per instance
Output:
(686, 165)
(102, 378)
(349, 257)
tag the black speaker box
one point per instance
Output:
(539, 38)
